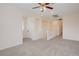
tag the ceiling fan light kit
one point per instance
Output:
(42, 9)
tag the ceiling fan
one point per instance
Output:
(43, 6)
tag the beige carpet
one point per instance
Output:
(53, 47)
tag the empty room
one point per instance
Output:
(39, 29)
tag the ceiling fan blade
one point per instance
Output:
(43, 3)
(35, 7)
(49, 7)
(39, 3)
(47, 3)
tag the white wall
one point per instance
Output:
(71, 27)
(10, 26)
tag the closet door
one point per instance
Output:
(44, 29)
(34, 28)
(26, 31)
